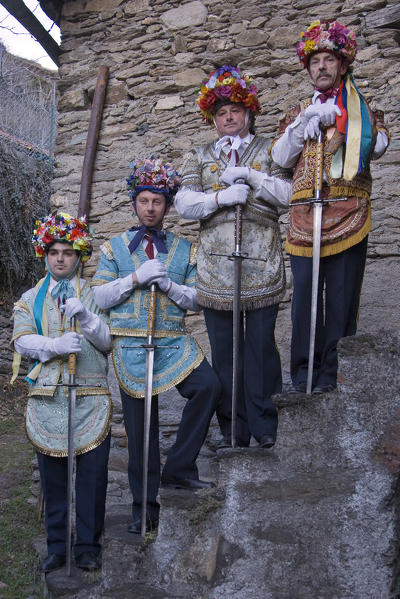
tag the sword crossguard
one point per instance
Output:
(150, 346)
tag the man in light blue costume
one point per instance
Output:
(129, 264)
(42, 333)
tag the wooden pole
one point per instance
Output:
(91, 142)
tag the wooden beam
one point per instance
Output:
(17, 9)
(388, 17)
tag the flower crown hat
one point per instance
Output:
(226, 84)
(62, 227)
(155, 175)
(327, 36)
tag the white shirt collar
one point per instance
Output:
(235, 142)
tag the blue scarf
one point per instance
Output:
(158, 237)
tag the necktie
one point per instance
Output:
(149, 247)
(233, 155)
(328, 93)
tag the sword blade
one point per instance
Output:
(237, 283)
(146, 433)
(317, 226)
(235, 339)
(70, 470)
(70, 462)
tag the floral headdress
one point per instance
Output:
(229, 84)
(62, 227)
(152, 174)
(328, 36)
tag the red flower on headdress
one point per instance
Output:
(239, 94)
(207, 102)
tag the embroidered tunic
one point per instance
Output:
(128, 319)
(344, 223)
(263, 281)
(47, 409)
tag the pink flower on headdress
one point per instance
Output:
(223, 92)
(338, 33)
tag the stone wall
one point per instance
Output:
(158, 52)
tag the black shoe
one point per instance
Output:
(267, 441)
(136, 526)
(298, 388)
(87, 561)
(52, 562)
(225, 443)
(193, 484)
(323, 389)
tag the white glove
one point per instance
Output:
(312, 128)
(150, 270)
(74, 307)
(164, 283)
(235, 194)
(69, 343)
(326, 113)
(232, 173)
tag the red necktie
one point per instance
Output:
(149, 247)
(328, 93)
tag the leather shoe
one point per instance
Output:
(298, 388)
(87, 561)
(136, 526)
(323, 389)
(225, 443)
(192, 484)
(52, 562)
(267, 441)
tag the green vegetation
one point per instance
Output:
(18, 519)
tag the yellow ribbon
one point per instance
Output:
(353, 142)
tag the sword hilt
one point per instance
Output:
(72, 357)
(152, 313)
(239, 220)
(319, 167)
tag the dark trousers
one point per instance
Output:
(340, 282)
(90, 497)
(202, 389)
(259, 374)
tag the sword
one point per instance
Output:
(150, 347)
(317, 203)
(71, 418)
(148, 387)
(237, 256)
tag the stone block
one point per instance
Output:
(251, 38)
(169, 103)
(189, 77)
(191, 14)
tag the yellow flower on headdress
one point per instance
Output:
(227, 81)
(204, 89)
(309, 46)
(314, 24)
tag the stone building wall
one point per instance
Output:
(158, 51)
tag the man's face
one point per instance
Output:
(230, 120)
(326, 70)
(62, 259)
(151, 208)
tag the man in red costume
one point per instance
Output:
(353, 134)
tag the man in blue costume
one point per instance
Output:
(42, 333)
(129, 264)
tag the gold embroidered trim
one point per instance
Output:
(181, 377)
(107, 250)
(334, 192)
(143, 333)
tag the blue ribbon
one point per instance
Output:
(158, 237)
(37, 315)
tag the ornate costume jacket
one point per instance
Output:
(47, 409)
(344, 223)
(128, 320)
(263, 281)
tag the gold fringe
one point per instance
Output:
(181, 377)
(334, 192)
